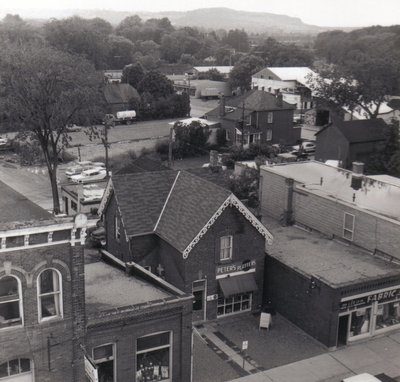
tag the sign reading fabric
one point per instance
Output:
(368, 300)
(238, 266)
(91, 371)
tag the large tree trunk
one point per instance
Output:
(54, 188)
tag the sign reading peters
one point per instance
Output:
(239, 266)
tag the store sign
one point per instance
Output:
(368, 300)
(212, 297)
(239, 266)
(91, 371)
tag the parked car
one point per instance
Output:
(3, 142)
(77, 170)
(90, 175)
(99, 164)
(366, 377)
(307, 147)
(73, 128)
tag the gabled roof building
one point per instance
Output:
(195, 234)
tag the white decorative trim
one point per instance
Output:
(166, 201)
(232, 200)
(109, 188)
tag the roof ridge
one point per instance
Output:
(166, 201)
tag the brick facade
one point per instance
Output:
(53, 345)
(124, 331)
(150, 250)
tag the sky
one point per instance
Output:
(317, 12)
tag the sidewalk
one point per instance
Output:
(378, 355)
(284, 354)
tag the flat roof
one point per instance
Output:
(15, 207)
(107, 288)
(379, 195)
(336, 264)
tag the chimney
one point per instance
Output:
(357, 175)
(222, 106)
(279, 100)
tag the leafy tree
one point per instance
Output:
(212, 74)
(15, 30)
(240, 75)
(132, 74)
(130, 27)
(120, 51)
(386, 160)
(62, 89)
(190, 140)
(171, 49)
(155, 83)
(81, 36)
(362, 87)
(237, 39)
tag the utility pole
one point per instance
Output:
(242, 126)
(170, 147)
(108, 122)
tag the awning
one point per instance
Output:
(237, 284)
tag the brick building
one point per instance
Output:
(61, 315)
(338, 277)
(42, 316)
(267, 119)
(193, 233)
(142, 334)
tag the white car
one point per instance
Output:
(3, 142)
(306, 147)
(90, 175)
(77, 170)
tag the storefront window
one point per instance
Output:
(234, 304)
(103, 357)
(360, 322)
(387, 315)
(153, 358)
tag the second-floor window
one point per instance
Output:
(10, 302)
(49, 295)
(270, 117)
(225, 248)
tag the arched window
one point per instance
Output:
(15, 366)
(10, 302)
(49, 294)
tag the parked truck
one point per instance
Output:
(125, 117)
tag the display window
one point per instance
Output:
(234, 304)
(103, 357)
(387, 315)
(360, 322)
(154, 357)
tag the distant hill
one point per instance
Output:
(208, 18)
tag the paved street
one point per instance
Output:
(284, 354)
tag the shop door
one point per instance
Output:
(199, 293)
(343, 330)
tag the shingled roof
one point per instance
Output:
(364, 130)
(177, 206)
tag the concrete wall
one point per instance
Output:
(54, 345)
